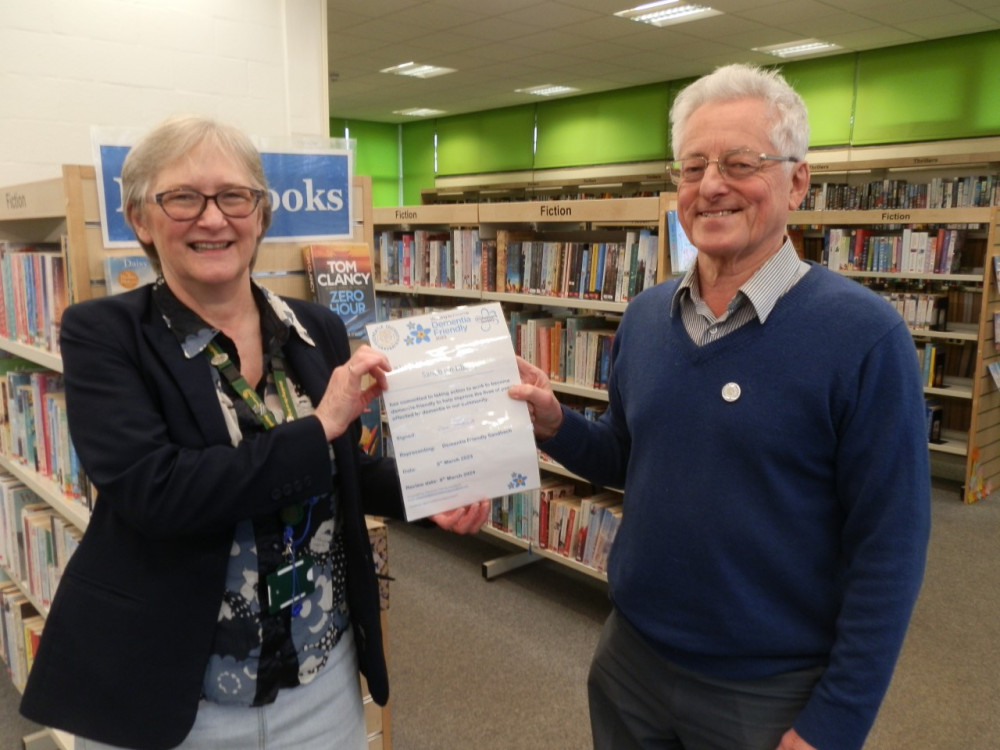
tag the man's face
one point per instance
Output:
(737, 221)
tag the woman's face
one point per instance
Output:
(202, 255)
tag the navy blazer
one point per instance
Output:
(129, 634)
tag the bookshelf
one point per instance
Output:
(968, 451)
(606, 223)
(62, 211)
(896, 193)
(65, 211)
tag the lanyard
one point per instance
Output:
(225, 366)
(291, 514)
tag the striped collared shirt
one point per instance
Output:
(756, 298)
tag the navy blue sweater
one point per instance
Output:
(781, 530)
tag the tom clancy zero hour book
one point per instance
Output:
(340, 276)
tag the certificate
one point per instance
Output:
(458, 437)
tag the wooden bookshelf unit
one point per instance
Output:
(65, 210)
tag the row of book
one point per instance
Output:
(607, 271)
(518, 263)
(939, 192)
(922, 311)
(36, 542)
(34, 290)
(581, 528)
(33, 426)
(934, 412)
(909, 251)
(20, 631)
(569, 348)
(932, 356)
(453, 259)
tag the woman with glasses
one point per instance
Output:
(224, 593)
(766, 420)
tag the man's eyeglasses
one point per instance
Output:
(187, 205)
(737, 164)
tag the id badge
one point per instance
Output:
(290, 584)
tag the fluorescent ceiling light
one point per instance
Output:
(546, 90)
(417, 70)
(800, 48)
(667, 13)
(418, 112)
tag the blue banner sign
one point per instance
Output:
(310, 194)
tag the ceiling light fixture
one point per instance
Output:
(658, 14)
(800, 48)
(418, 112)
(417, 70)
(547, 89)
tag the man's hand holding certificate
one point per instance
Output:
(458, 437)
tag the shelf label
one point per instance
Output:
(548, 211)
(15, 201)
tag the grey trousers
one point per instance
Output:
(640, 701)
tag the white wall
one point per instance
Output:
(68, 64)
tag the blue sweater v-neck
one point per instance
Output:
(776, 506)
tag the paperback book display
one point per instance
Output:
(555, 518)
(940, 192)
(34, 291)
(340, 276)
(910, 250)
(570, 348)
(517, 263)
(682, 252)
(125, 270)
(33, 426)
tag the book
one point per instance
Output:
(994, 370)
(340, 277)
(125, 270)
(682, 251)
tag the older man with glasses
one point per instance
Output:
(766, 419)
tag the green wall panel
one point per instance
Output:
(827, 88)
(497, 140)
(943, 89)
(929, 91)
(376, 155)
(607, 128)
(418, 159)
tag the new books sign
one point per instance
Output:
(310, 194)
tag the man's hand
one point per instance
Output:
(536, 391)
(792, 741)
(467, 520)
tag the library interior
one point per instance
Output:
(431, 164)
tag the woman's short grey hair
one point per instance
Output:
(165, 144)
(790, 123)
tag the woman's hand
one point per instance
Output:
(350, 389)
(467, 520)
(536, 391)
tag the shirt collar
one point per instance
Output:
(762, 290)
(194, 334)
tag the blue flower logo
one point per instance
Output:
(418, 334)
(517, 480)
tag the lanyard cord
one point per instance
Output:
(292, 514)
(291, 545)
(225, 365)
